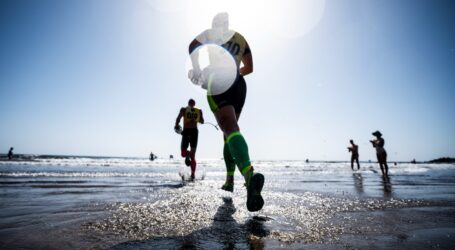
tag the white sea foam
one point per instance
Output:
(86, 167)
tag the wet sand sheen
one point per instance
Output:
(326, 207)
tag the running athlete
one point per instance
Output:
(381, 153)
(191, 116)
(227, 106)
(354, 149)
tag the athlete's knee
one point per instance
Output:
(227, 119)
(184, 152)
(230, 129)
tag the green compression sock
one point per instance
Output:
(239, 151)
(228, 160)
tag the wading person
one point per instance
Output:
(227, 106)
(10, 153)
(381, 153)
(191, 117)
(354, 149)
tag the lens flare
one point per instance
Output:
(212, 67)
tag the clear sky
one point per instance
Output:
(108, 77)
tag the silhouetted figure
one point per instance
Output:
(191, 117)
(10, 153)
(354, 149)
(227, 105)
(152, 156)
(381, 153)
(413, 161)
(171, 156)
(307, 161)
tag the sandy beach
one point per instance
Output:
(116, 203)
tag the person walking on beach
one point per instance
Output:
(227, 106)
(191, 117)
(354, 149)
(10, 153)
(381, 153)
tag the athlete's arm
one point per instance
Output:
(177, 121)
(195, 56)
(247, 60)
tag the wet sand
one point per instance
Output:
(137, 205)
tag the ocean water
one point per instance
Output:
(94, 202)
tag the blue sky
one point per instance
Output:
(108, 78)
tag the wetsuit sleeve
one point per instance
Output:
(247, 49)
(193, 45)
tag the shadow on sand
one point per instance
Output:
(225, 233)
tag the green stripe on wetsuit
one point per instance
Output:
(239, 151)
(228, 160)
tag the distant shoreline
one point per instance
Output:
(33, 157)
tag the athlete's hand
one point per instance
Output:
(178, 129)
(195, 76)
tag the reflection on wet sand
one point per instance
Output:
(224, 233)
(387, 187)
(358, 182)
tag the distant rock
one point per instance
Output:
(443, 160)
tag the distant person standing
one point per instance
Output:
(10, 153)
(152, 156)
(191, 117)
(354, 149)
(381, 153)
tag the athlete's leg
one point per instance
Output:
(193, 144)
(352, 163)
(239, 150)
(230, 164)
(192, 154)
(184, 144)
(230, 168)
(238, 147)
(358, 164)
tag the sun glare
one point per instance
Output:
(286, 18)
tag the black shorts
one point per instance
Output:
(189, 137)
(382, 157)
(234, 96)
(354, 156)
